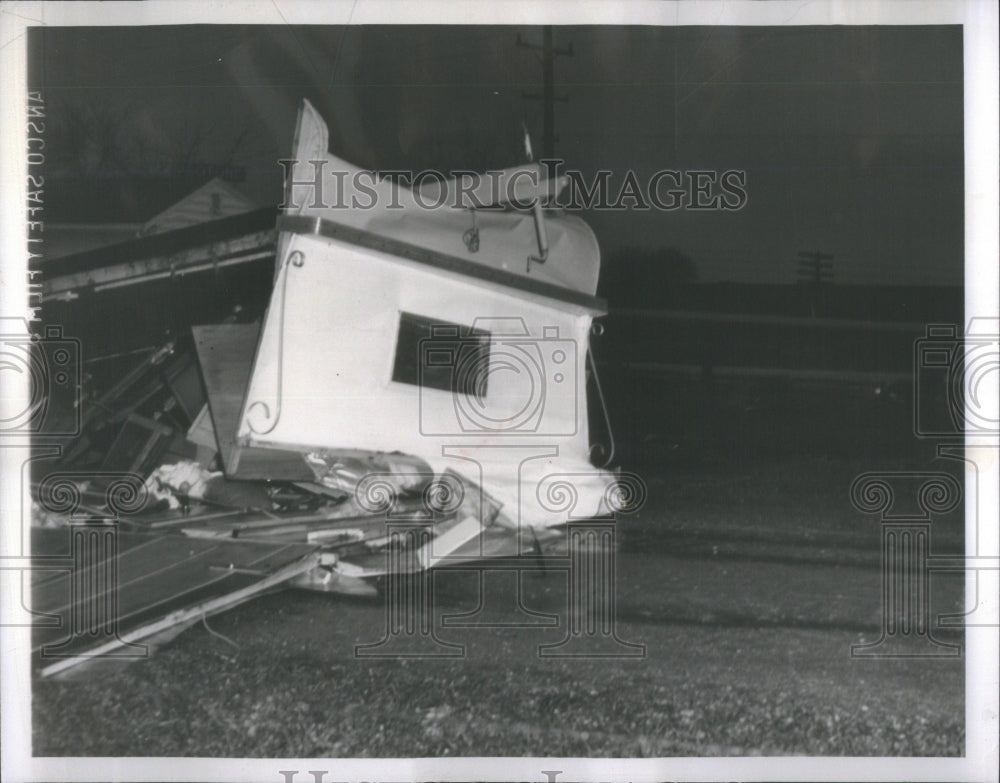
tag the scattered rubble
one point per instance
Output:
(296, 441)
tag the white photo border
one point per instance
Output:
(982, 129)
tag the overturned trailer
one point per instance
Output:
(390, 332)
(423, 360)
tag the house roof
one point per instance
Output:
(118, 196)
(214, 200)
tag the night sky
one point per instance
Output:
(851, 137)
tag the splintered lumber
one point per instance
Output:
(180, 520)
(444, 545)
(265, 523)
(286, 526)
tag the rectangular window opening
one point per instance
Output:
(438, 354)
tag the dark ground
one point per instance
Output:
(747, 583)
(748, 575)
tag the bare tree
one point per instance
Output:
(93, 134)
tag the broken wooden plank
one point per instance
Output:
(160, 570)
(225, 352)
(188, 614)
(202, 432)
(138, 447)
(130, 585)
(179, 519)
(291, 525)
(239, 239)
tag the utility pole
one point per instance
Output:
(815, 267)
(548, 96)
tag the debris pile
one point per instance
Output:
(398, 376)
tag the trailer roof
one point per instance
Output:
(324, 186)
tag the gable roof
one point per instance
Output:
(214, 200)
(126, 196)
